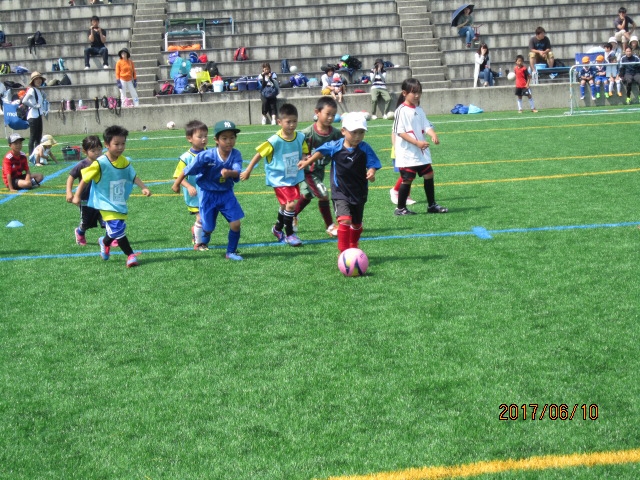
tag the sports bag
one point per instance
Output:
(180, 83)
(269, 92)
(166, 89)
(240, 54)
(212, 68)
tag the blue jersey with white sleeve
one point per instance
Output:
(207, 167)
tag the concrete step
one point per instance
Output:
(307, 24)
(38, 13)
(49, 52)
(185, 6)
(29, 26)
(158, 10)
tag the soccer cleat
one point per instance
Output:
(104, 250)
(233, 256)
(411, 201)
(597, 96)
(582, 97)
(593, 98)
(394, 196)
(201, 247)
(332, 230)
(279, 234)
(520, 111)
(80, 239)
(628, 101)
(435, 208)
(619, 94)
(132, 261)
(606, 95)
(293, 240)
(294, 225)
(533, 110)
(403, 211)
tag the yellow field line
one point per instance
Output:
(496, 466)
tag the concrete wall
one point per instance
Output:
(244, 112)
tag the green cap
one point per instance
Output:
(223, 126)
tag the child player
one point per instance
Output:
(216, 170)
(602, 81)
(523, 77)
(282, 152)
(15, 167)
(113, 178)
(89, 216)
(586, 74)
(315, 135)
(353, 165)
(197, 135)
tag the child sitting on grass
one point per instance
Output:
(43, 152)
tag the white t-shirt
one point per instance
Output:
(411, 120)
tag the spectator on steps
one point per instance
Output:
(378, 78)
(630, 74)
(540, 49)
(465, 26)
(326, 81)
(624, 27)
(482, 69)
(97, 38)
(267, 78)
(126, 77)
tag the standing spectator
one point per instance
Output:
(540, 49)
(97, 38)
(630, 74)
(465, 26)
(15, 167)
(268, 86)
(34, 99)
(624, 27)
(378, 77)
(126, 77)
(482, 69)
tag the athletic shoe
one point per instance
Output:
(553, 75)
(619, 94)
(132, 261)
(332, 230)
(435, 208)
(295, 224)
(273, 120)
(403, 211)
(293, 240)
(411, 201)
(106, 67)
(264, 121)
(193, 235)
(234, 256)
(374, 117)
(593, 98)
(597, 96)
(582, 97)
(278, 233)
(86, 68)
(519, 111)
(606, 95)
(80, 239)
(394, 196)
(201, 247)
(104, 250)
(533, 110)
(628, 101)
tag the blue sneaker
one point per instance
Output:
(293, 240)
(278, 233)
(234, 256)
(104, 250)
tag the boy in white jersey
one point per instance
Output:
(113, 178)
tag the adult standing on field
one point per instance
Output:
(540, 49)
(624, 27)
(34, 99)
(97, 39)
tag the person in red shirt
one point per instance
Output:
(522, 83)
(15, 167)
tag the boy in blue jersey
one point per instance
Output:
(353, 165)
(215, 171)
(113, 178)
(197, 134)
(282, 152)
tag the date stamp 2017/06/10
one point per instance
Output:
(552, 411)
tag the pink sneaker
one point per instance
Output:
(80, 239)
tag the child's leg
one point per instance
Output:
(403, 193)
(593, 89)
(288, 214)
(355, 231)
(344, 232)
(582, 83)
(325, 211)
(531, 104)
(430, 192)
(520, 104)
(234, 237)
(196, 231)
(279, 225)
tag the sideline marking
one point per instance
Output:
(480, 232)
(496, 466)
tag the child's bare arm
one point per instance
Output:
(78, 194)
(178, 181)
(145, 191)
(434, 136)
(229, 173)
(371, 174)
(70, 180)
(247, 173)
(312, 158)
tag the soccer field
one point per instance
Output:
(504, 330)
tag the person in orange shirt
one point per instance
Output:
(126, 78)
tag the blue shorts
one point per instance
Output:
(212, 203)
(115, 228)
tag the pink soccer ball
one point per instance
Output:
(353, 262)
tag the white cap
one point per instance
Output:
(14, 137)
(633, 38)
(354, 121)
(612, 40)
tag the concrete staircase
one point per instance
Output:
(425, 58)
(148, 27)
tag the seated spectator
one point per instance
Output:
(337, 87)
(633, 43)
(482, 69)
(15, 167)
(624, 27)
(378, 78)
(540, 49)
(612, 57)
(630, 74)
(326, 81)
(97, 38)
(42, 154)
(465, 26)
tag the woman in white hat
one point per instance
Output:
(34, 99)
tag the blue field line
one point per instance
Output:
(479, 232)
